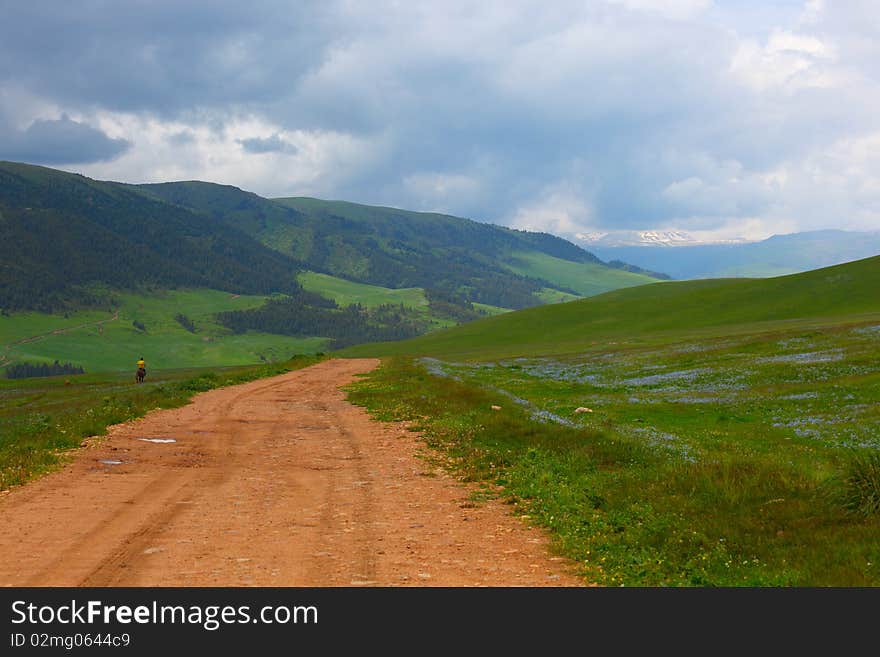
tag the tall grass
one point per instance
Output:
(860, 483)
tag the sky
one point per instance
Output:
(723, 118)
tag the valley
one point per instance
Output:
(218, 276)
(719, 432)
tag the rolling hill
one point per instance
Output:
(394, 248)
(316, 274)
(61, 231)
(650, 312)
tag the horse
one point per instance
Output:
(141, 373)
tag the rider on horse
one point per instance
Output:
(141, 370)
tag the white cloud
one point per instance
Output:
(671, 8)
(439, 192)
(787, 62)
(560, 208)
(317, 162)
(812, 12)
(836, 188)
(700, 116)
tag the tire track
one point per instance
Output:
(278, 482)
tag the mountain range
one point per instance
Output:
(329, 272)
(617, 238)
(684, 257)
(63, 232)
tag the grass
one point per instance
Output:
(115, 344)
(549, 295)
(701, 464)
(491, 310)
(731, 437)
(860, 483)
(42, 419)
(662, 312)
(585, 278)
(345, 292)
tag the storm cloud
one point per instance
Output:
(722, 118)
(273, 144)
(61, 141)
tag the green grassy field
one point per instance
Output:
(345, 292)
(666, 311)
(490, 310)
(549, 295)
(110, 342)
(737, 445)
(585, 278)
(41, 419)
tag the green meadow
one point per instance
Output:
(661, 312)
(711, 433)
(110, 341)
(549, 295)
(584, 278)
(345, 292)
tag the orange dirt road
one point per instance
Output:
(277, 482)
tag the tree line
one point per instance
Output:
(28, 370)
(347, 326)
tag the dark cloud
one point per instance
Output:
(61, 141)
(634, 112)
(274, 144)
(168, 57)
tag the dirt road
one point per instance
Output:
(278, 482)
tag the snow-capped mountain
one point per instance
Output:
(777, 255)
(646, 238)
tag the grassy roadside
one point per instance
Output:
(42, 419)
(625, 510)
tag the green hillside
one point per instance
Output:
(703, 433)
(537, 257)
(346, 272)
(585, 278)
(652, 311)
(438, 230)
(346, 292)
(379, 246)
(109, 341)
(61, 231)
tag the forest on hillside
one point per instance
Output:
(347, 326)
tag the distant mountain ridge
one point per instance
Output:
(616, 238)
(774, 256)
